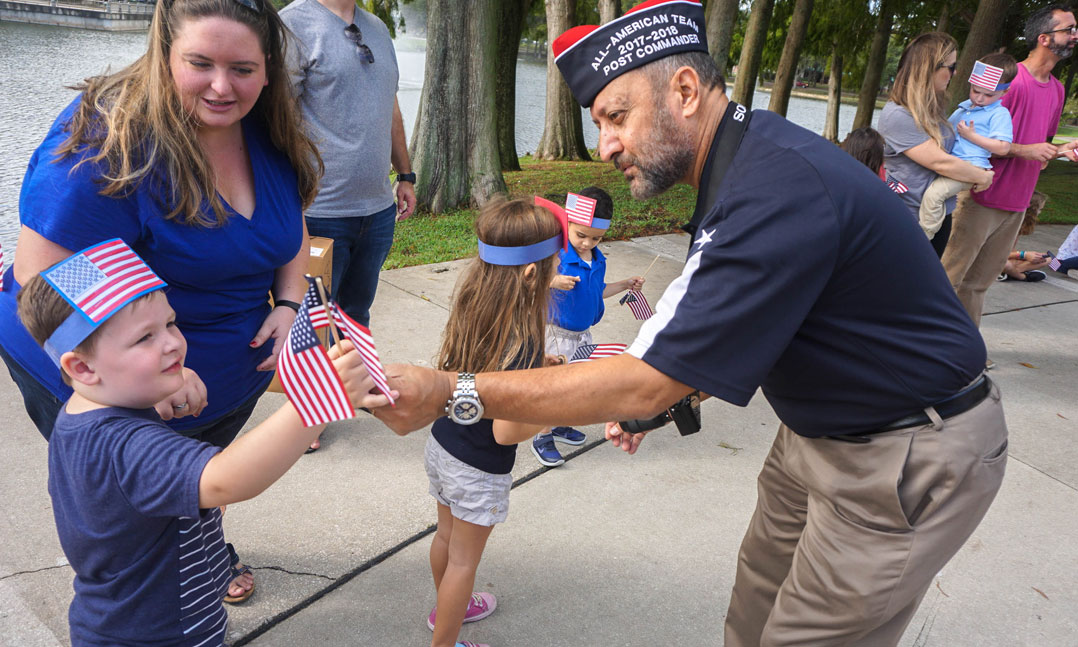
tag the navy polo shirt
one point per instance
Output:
(582, 307)
(807, 278)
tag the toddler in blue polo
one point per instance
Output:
(137, 505)
(577, 298)
(984, 129)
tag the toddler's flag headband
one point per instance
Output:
(987, 77)
(97, 282)
(581, 210)
(497, 255)
(590, 56)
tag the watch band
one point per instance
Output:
(406, 177)
(286, 303)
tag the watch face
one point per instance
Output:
(465, 410)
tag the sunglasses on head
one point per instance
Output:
(356, 36)
(253, 5)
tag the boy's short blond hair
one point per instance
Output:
(42, 310)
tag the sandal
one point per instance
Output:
(234, 572)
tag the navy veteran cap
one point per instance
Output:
(590, 56)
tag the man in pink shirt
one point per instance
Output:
(986, 224)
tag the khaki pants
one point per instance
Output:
(847, 537)
(981, 240)
(934, 203)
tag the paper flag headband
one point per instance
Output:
(97, 282)
(581, 210)
(987, 77)
(498, 255)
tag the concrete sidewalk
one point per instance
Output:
(607, 549)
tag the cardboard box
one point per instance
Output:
(321, 264)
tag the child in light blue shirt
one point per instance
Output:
(984, 129)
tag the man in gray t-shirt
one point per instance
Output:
(344, 72)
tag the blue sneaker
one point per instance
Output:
(568, 435)
(545, 451)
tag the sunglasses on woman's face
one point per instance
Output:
(950, 67)
(356, 36)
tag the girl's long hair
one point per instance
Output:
(498, 316)
(913, 88)
(142, 133)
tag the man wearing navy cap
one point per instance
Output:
(807, 279)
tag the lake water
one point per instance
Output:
(38, 62)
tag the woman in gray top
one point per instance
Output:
(917, 136)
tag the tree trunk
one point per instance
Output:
(943, 23)
(513, 13)
(834, 96)
(983, 38)
(749, 65)
(563, 132)
(454, 146)
(877, 57)
(609, 10)
(791, 53)
(721, 17)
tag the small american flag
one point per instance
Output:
(361, 337)
(588, 352)
(985, 76)
(896, 186)
(307, 375)
(1054, 264)
(638, 303)
(580, 209)
(100, 280)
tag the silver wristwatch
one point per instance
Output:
(464, 407)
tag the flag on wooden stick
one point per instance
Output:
(307, 374)
(360, 335)
(638, 304)
(588, 352)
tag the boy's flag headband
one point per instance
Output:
(581, 210)
(97, 282)
(987, 77)
(590, 56)
(498, 255)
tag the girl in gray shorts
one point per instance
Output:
(496, 324)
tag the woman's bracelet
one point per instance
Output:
(1022, 255)
(286, 303)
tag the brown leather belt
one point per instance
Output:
(962, 402)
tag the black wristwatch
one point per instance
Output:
(286, 303)
(406, 177)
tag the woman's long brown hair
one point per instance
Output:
(499, 312)
(136, 122)
(913, 88)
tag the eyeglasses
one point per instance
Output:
(251, 4)
(1073, 29)
(950, 67)
(356, 36)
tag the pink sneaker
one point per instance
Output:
(480, 606)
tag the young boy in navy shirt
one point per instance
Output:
(577, 298)
(136, 504)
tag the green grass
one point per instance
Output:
(428, 238)
(1060, 182)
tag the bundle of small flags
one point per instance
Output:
(588, 352)
(638, 304)
(307, 374)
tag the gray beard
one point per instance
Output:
(664, 159)
(1062, 51)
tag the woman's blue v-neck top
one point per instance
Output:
(219, 277)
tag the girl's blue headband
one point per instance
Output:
(498, 255)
